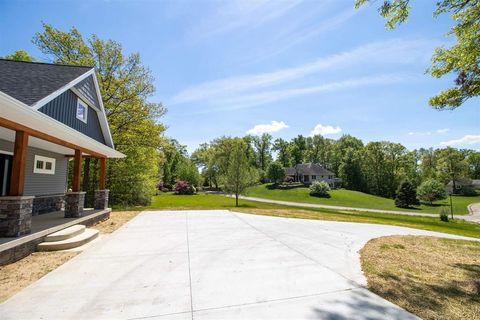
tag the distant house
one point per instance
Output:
(461, 185)
(309, 172)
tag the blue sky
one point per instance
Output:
(284, 67)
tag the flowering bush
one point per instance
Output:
(319, 189)
(182, 187)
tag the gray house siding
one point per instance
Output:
(37, 184)
(87, 89)
(64, 109)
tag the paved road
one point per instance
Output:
(474, 212)
(324, 206)
(214, 265)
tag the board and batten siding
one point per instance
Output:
(88, 90)
(64, 109)
(38, 184)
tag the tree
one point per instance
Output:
(188, 171)
(451, 165)
(262, 147)
(126, 85)
(462, 59)
(350, 171)
(473, 161)
(20, 55)
(275, 172)
(283, 152)
(239, 174)
(431, 190)
(406, 195)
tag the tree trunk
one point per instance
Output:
(236, 199)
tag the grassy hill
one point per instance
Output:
(349, 198)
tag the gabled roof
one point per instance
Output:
(308, 169)
(30, 82)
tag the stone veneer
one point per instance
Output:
(48, 203)
(15, 216)
(74, 202)
(100, 200)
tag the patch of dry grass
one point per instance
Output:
(18, 275)
(117, 219)
(433, 278)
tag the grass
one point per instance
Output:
(433, 278)
(349, 198)
(200, 201)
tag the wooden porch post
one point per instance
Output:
(103, 170)
(18, 165)
(77, 170)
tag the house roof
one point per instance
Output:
(465, 182)
(309, 169)
(30, 82)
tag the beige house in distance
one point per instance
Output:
(309, 172)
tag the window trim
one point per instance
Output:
(44, 160)
(82, 103)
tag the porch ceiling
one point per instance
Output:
(9, 135)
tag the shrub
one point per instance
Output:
(406, 195)
(444, 215)
(182, 187)
(319, 189)
(275, 172)
(431, 190)
(469, 191)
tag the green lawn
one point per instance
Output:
(210, 201)
(348, 198)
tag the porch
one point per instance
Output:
(13, 249)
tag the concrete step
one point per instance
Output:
(76, 241)
(64, 234)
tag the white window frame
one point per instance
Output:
(44, 160)
(80, 102)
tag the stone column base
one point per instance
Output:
(15, 216)
(100, 199)
(74, 202)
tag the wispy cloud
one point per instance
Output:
(428, 133)
(444, 130)
(393, 51)
(274, 126)
(242, 15)
(468, 139)
(320, 129)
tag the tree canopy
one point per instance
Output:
(462, 59)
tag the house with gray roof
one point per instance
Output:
(310, 172)
(50, 115)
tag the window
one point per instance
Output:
(314, 177)
(82, 110)
(44, 165)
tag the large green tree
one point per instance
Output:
(462, 59)
(451, 165)
(126, 86)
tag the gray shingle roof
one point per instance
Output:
(309, 169)
(30, 82)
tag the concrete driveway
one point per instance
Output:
(214, 265)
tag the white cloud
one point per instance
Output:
(411, 133)
(393, 51)
(274, 126)
(325, 130)
(444, 130)
(468, 139)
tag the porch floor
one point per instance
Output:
(47, 223)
